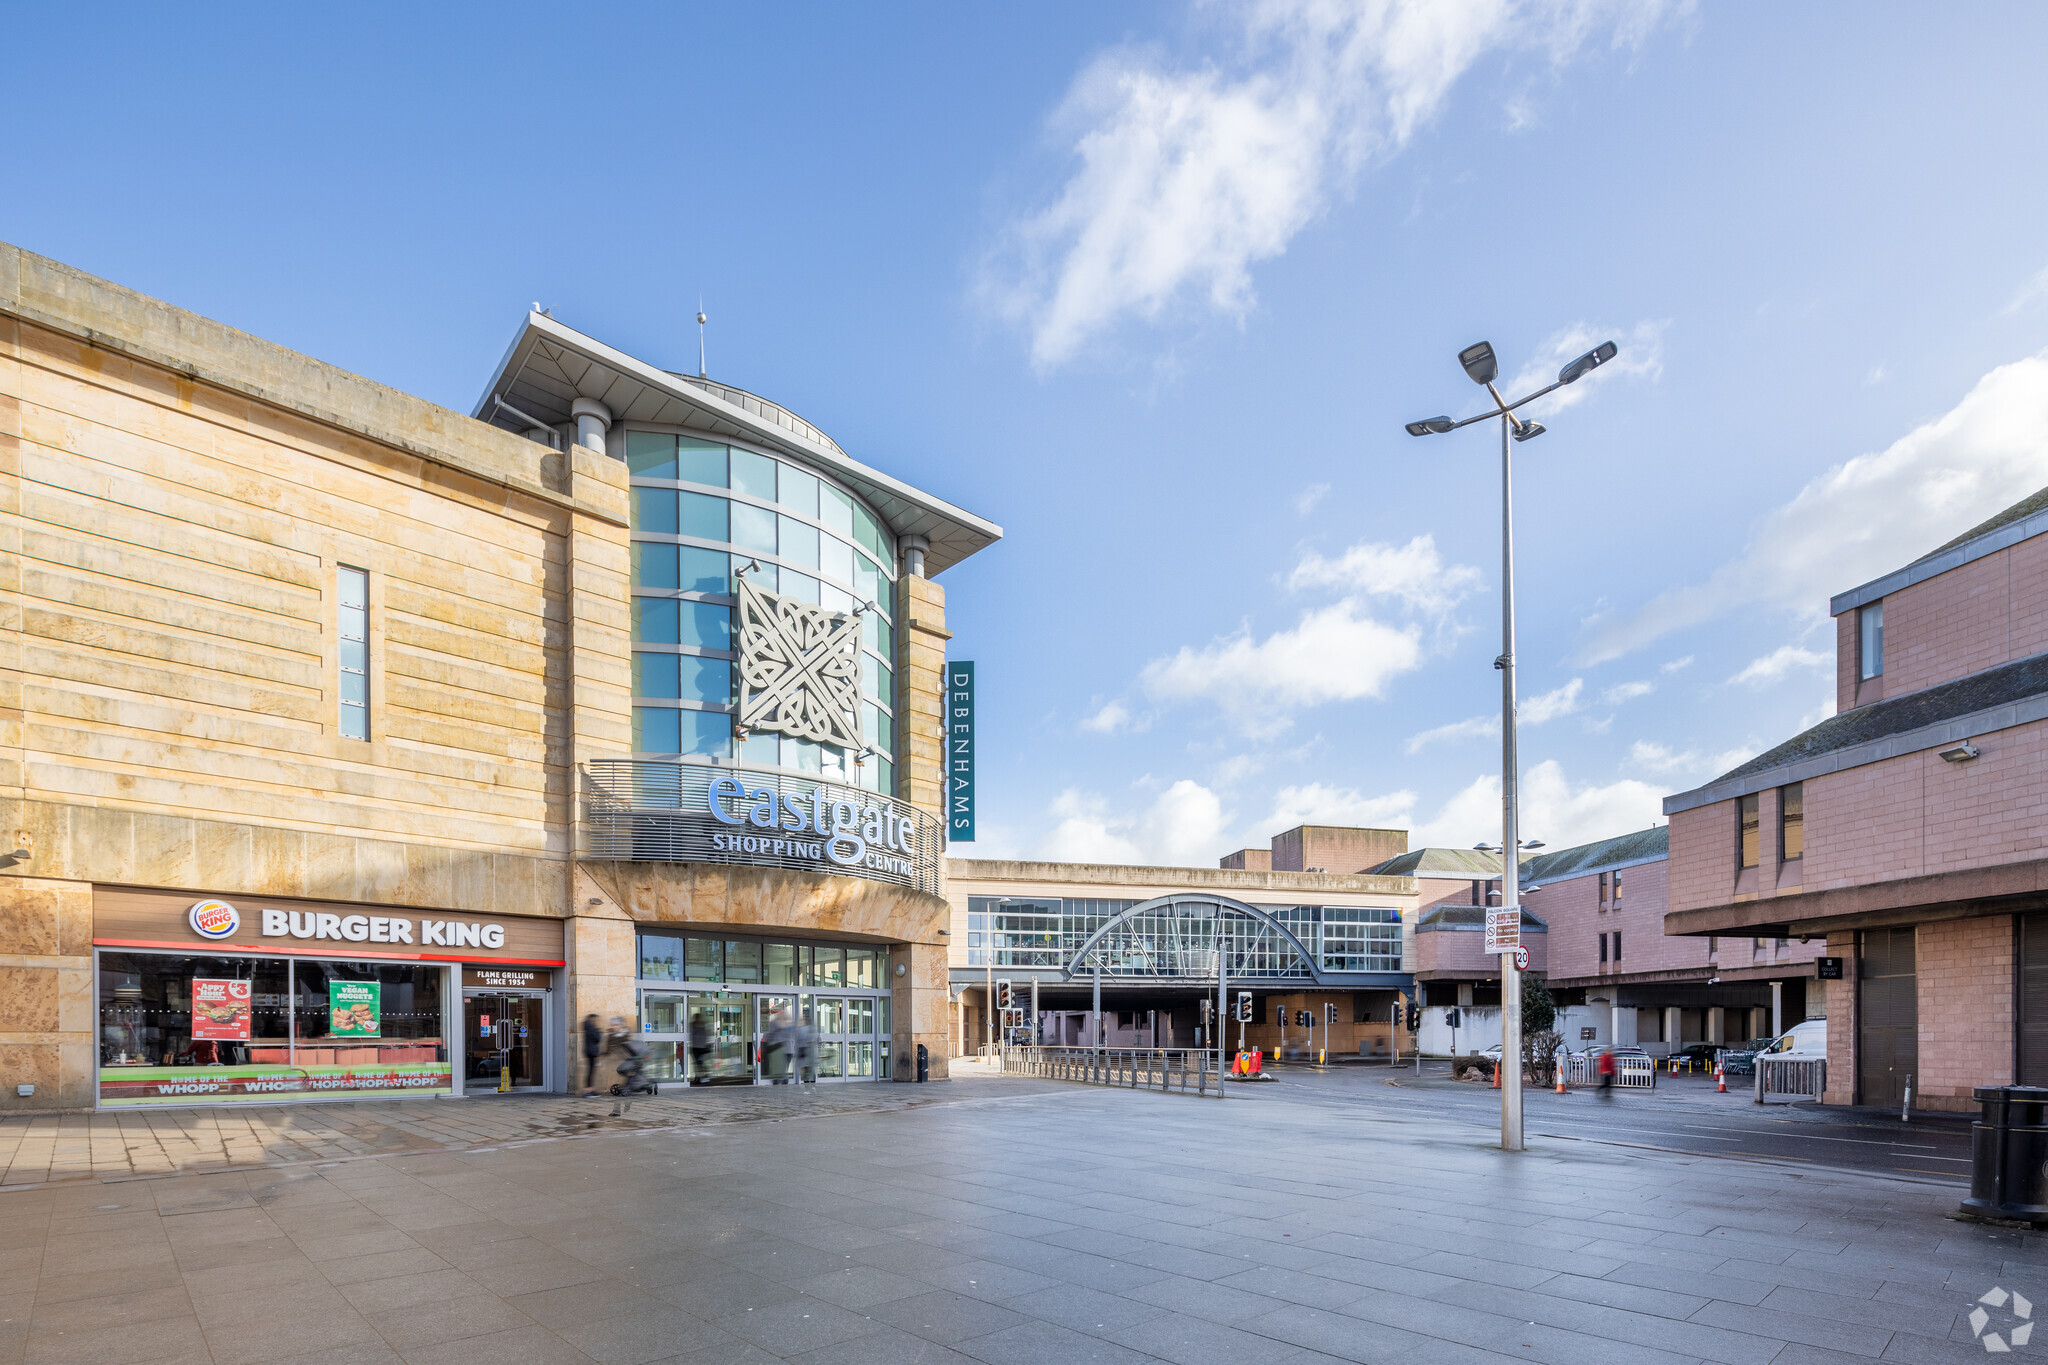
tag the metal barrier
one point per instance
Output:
(1144, 1068)
(1790, 1080)
(1631, 1072)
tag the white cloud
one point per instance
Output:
(1113, 717)
(1867, 516)
(1547, 706)
(1318, 803)
(1458, 729)
(2035, 288)
(1639, 355)
(1878, 374)
(1677, 664)
(1551, 809)
(1182, 827)
(1185, 176)
(1773, 666)
(1661, 759)
(1414, 574)
(1628, 691)
(1336, 653)
(1305, 502)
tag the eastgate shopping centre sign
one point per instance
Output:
(872, 836)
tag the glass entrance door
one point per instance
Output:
(502, 1041)
(777, 1039)
(721, 1038)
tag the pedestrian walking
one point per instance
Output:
(1606, 1073)
(593, 1047)
(700, 1048)
(631, 1065)
(805, 1059)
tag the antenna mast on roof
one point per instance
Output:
(701, 320)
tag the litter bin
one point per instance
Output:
(2009, 1154)
(924, 1063)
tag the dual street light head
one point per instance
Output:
(1483, 367)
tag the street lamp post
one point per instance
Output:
(1482, 368)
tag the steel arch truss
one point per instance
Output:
(1174, 938)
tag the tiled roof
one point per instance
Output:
(1639, 847)
(2025, 507)
(1999, 686)
(1440, 862)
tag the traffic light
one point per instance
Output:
(1280, 1015)
(1304, 1019)
(1002, 994)
(1244, 1006)
(1451, 1018)
(1414, 1017)
(1329, 1011)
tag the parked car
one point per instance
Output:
(1699, 1054)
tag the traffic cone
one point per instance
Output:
(1498, 1069)
(1560, 1078)
(1720, 1079)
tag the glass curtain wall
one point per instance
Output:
(1008, 931)
(701, 510)
(726, 1011)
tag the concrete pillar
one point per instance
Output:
(921, 695)
(1673, 1028)
(603, 951)
(1717, 1025)
(593, 420)
(1777, 1008)
(919, 1011)
(1465, 995)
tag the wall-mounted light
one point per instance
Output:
(1961, 753)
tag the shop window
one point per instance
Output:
(827, 967)
(743, 962)
(661, 958)
(1749, 846)
(352, 619)
(704, 960)
(778, 964)
(176, 1028)
(1792, 821)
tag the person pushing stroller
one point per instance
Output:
(632, 1067)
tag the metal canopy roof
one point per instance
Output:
(550, 365)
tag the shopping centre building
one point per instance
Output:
(350, 745)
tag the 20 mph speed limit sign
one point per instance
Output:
(1522, 958)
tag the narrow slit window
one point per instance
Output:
(1746, 808)
(1617, 945)
(1792, 821)
(1871, 632)
(1603, 947)
(354, 623)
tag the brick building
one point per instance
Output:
(1604, 903)
(1907, 830)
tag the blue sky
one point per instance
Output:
(1154, 288)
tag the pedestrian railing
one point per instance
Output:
(1789, 1080)
(1189, 1070)
(1630, 1072)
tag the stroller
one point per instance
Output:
(632, 1070)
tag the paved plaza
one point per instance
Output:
(986, 1219)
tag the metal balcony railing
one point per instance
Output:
(656, 811)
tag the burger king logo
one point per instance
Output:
(213, 919)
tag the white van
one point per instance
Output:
(1808, 1040)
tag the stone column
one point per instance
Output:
(1673, 1028)
(919, 1010)
(1717, 1024)
(604, 957)
(921, 693)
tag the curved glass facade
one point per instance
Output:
(702, 509)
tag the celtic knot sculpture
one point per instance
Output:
(799, 668)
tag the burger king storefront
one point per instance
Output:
(205, 1000)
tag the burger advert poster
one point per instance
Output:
(220, 1011)
(354, 1009)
